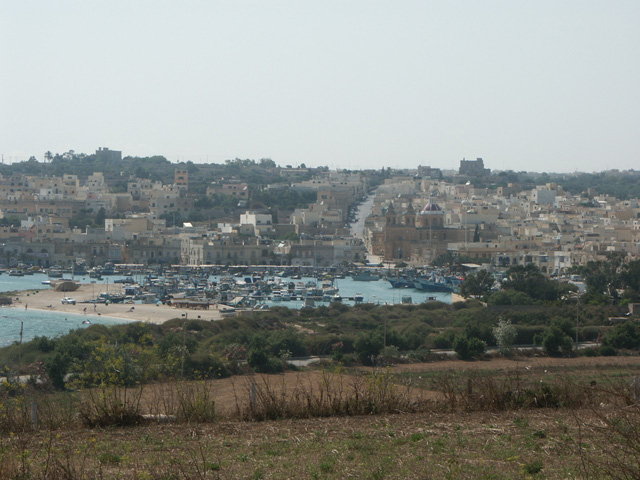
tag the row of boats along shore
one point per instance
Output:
(241, 286)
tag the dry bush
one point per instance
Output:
(609, 442)
(14, 415)
(56, 411)
(24, 407)
(161, 399)
(480, 391)
(333, 394)
(49, 458)
(110, 406)
(196, 402)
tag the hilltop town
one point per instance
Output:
(196, 363)
(86, 210)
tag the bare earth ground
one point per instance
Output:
(50, 300)
(531, 362)
(233, 393)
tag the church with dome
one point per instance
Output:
(406, 234)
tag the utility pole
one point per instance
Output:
(577, 317)
(184, 332)
(20, 346)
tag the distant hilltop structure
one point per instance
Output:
(104, 154)
(473, 168)
(429, 172)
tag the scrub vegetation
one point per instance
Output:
(195, 399)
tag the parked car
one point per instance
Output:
(68, 301)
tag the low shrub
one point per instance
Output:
(511, 391)
(110, 406)
(607, 351)
(195, 402)
(334, 394)
(614, 441)
(420, 355)
(467, 348)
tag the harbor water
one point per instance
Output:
(51, 324)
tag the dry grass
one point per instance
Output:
(421, 445)
(496, 422)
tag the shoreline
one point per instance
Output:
(79, 315)
(51, 301)
(456, 297)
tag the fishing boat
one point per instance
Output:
(401, 282)
(54, 272)
(432, 286)
(365, 277)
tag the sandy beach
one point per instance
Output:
(51, 301)
(455, 297)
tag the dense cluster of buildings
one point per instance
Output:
(135, 223)
(415, 218)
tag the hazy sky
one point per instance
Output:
(527, 85)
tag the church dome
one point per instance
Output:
(431, 208)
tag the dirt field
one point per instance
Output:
(232, 394)
(524, 443)
(533, 362)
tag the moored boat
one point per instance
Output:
(365, 277)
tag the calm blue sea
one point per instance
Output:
(51, 324)
(36, 323)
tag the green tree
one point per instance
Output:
(603, 278)
(555, 341)
(530, 280)
(630, 277)
(625, 335)
(10, 221)
(510, 297)
(467, 348)
(290, 236)
(260, 358)
(288, 340)
(57, 367)
(477, 284)
(100, 217)
(368, 346)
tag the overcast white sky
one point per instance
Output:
(545, 85)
